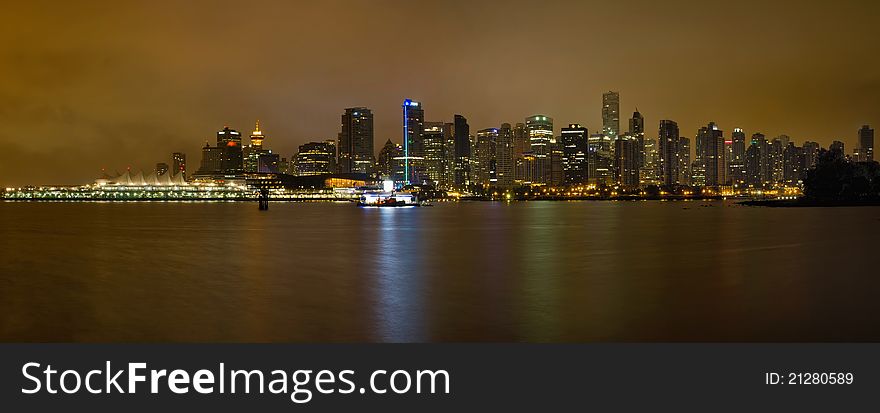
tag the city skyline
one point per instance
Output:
(85, 101)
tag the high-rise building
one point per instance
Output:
(811, 154)
(626, 156)
(637, 130)
(649, 173)
(461, 135)
(484, 157)
(736, 165)
(178, 163)
(413, 152)
(757, 164)
(574, 154)
(161, 168)
(866, 143)
(777, 163)
(225, 159)
(689, 173)
(668, 145)
(793, 164)
(711, 153)
(600, 159)
(540, 129)
(611, 114)
(355, 142)
(504, 158)
(390, 162)
(433, 143)
(254, 150)
(521, 143)
(315, 158)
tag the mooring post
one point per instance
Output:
(264, 199)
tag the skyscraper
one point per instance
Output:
(737, 162)
(711, 154)
(390, 162)
(254, 150)
(540, 129)
(433, 142)
(504, 157)
(600, 159)
(649, 174)
(637, 130)
(866, 143)
(757, 163)
(626, 155)
(161, 168)
(574, 154)
(355, 142)
(232, 158)
(668, 143)
(484, 156)
(413, 127)
(611, 114)
(461, 135)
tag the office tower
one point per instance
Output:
(461, 135)
(688, 173)
(484, 156)
(315, 158)
(448, 178)
(557, 175)
(230, 141)
(161, 168)
(649, 173)
(521, 143)
(433, 142)
(776, 161)
(626, 156)
(504, 158)
(611, 114)
(711, 153)
(355, 142)
(178, 163)
(637, 129)
(525, 168)
(866, 143)
(793, 164)
(413, 126)
(540, 129)
(390, 162)
(811, 154)
(757, 164)
(600, 159)
(667, 138)
(574, 154)
(736, 164)
(254, 150)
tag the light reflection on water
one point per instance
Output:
(529, 271)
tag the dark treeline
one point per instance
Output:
(834, 178)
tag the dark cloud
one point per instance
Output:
(95, 84)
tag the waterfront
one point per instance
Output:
(482, 271)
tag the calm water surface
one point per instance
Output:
(530, 271)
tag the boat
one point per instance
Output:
(388, 199)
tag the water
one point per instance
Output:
(529, 271)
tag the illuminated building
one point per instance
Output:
(689, 174)
(600, 159)
(866, 143)
(254, 150)
(626, 159)
(161, 168)
(433, 143)
(811, 154)
(448, 181)
(711, 153)
(637, 130)
(390, 164)
(484, 157)
(838, 148)
(178, 163)
(737, 163)
(758, 169)
(413, 151)
(504, 158)
(521, 143)
(793, 164)
(649, 173)
(525, 168)
(574, 154)
(777, 165)
(355, 142)
(223, 161)
(668, 145)
(461, 135)
(540, 129)
(315, 158)
(611, 115)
